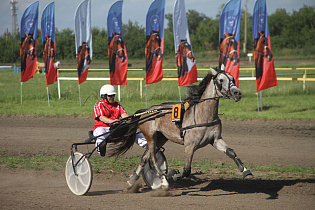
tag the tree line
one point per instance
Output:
(294, 30)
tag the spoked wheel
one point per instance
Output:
(150, 175)
(80, 180)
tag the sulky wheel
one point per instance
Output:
(80, 180)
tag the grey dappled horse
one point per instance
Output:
(200, 125)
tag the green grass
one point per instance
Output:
(286, 101)
(124, 166)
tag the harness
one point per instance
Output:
(155, 49)
(115, 45)
(186, 105)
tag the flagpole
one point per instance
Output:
(180, 98)
(21, 91)
(261, 101)
(186, 91)
(79, 95)
(257, 102)
(48, 96)
(146, 97)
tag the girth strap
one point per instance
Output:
(214, 122)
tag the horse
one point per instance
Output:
(27, 49)
(228, 50)
(200, 126)
(152, 48)
(183, 52)
(115, 49)
(48, 52)
(83, 56)
(261, 51)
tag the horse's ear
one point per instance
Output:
(225, 34)
(119, 33)
(26, 34)
(213, 71)
(222, 67)
(113, 33)
(186, 39)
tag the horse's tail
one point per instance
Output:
(122, 138)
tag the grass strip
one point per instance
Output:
(126, 165)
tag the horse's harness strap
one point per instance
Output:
(214, 122)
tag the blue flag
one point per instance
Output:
(49, 42)
(154, 47)
(28, 36)
(117, 52)
(264, 64)
(229, 38)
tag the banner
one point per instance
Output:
(117, 52)
(28, 37)
(265, 69)
(154, 44)
(83, 39)
(229, 39)
(185, 60)
(49, 42)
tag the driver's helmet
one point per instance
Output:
(107, 90)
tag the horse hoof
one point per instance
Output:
(132, 180)
(176, 177)
(165, 187)
(172, 173)
(247, 173)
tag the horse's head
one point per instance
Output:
(87, 53)
(49, 47)
(185, 49)
(117, 46)
(28, 46)
(225, 85)
(155, 44)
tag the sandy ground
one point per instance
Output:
(256, 142)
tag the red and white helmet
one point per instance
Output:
(107, 90)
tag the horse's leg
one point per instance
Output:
(158, 136)
(145, 158)
(189, 153)
(223, 147)
(136, 175)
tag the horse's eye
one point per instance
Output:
(221, 80)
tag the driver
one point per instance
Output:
(107, 111)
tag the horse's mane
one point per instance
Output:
(196, 91)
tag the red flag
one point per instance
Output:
(229, 37)
(185, 60)
(28, 37)
(49, 42)
(117, 51)
(265, 71)
(154, 47)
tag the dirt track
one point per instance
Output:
(256, 142)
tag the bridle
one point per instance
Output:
(218, 85)
(187, 54)
(152, 46)
(115, 45)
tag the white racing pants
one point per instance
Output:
(140, 140)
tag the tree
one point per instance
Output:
(134, 36)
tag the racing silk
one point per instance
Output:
(112, 111)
